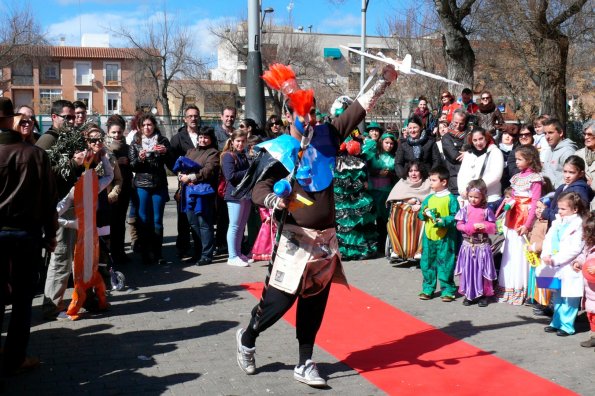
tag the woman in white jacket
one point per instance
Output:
(562, 244)
(484, 161)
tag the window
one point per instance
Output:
(112, 74)
(243, 77)
(22, 73)
(83, 75)
(112, 103)
(51, 71)
(84, 97)
(46, 97)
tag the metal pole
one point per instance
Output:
(362, 71)
(254, 86)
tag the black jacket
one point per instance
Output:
(181, 143)
(150, 173)
(430, 156)
(452, 147)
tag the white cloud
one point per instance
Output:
(71, 29)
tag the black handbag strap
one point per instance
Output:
(485, 163)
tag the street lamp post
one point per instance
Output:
(362, 76)
(255, 108)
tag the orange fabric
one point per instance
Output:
(517, 215)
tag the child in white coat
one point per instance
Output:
(562, 245)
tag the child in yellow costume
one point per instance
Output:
(438, 210)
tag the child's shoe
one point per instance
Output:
(448, 298)
(590, 343)
(424, 296)
(483, 302)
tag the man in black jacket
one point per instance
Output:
(454, 147)
(28, 222)
(186, 139)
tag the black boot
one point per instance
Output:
(157, 244)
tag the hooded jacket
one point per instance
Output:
(553, 161)
(580, 187)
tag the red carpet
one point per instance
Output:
(403, 355)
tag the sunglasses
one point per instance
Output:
(25, 122)
(66, 117)
(95, 140)
(525, 135)
(486, 98)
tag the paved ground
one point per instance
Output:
(172, 332)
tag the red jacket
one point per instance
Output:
(449, 109)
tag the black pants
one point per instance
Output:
(118, 223)
(184, 232)
(18, 274)
(310, 312)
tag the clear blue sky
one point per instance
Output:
(68, 18)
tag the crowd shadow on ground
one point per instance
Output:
(411, 348)
(98, 361)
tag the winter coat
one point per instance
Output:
(451, 147)
(580, 187)
(488, 121)
(553, 161)
(471, 169)
(588, 254)
(234, 166)
(430, 156)
(571, 245)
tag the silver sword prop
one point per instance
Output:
(403, 66)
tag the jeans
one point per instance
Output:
(203, 225)
(151, 204)
(19, 251)
(239, 211)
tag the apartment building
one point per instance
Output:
(104, 78)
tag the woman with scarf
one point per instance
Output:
(404, 226)
(489, 117)
(148, 155)
(449, 105)
(588, 154)
(382, 179)
(485, 161)
(423, 112)
(418, 146)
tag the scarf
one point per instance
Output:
(406, 189)
(507, 148)
(489, 108)
(422, 114)
(149, 142)
(589, 156)
(457, 134)
(416, 144)
(479, 153)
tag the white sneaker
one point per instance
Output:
(237, 262)
(308, 374)
(245, 356)
(246, 259)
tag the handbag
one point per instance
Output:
(222, 184)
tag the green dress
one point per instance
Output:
(354, 209)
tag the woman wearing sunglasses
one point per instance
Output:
(274, 127)
(489, 117)
(27, 125)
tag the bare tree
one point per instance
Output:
(281, 44)
(456, 27)
(540, 33)
(164, 48)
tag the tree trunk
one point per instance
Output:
(552, 53)
(459, 57)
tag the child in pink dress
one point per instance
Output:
(475, 263)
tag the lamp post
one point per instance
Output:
(362, 76)
(255, 107)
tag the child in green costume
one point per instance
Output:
(439, 237)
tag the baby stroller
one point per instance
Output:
(403, 243)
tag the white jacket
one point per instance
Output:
(471, 168)
(571, 245)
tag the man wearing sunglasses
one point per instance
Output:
(60, 262)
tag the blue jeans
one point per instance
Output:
(151, 205)
(203, 225)
(239, 211)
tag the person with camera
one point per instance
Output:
(148, 155)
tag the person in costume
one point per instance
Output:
(354, 206)
(582, 263)
(404, 227)
(539, 297)
(475, 262)
(526, 192)
(562, 245)
(439, 239)
(382, 178)
(307, 256)
(374, 131)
